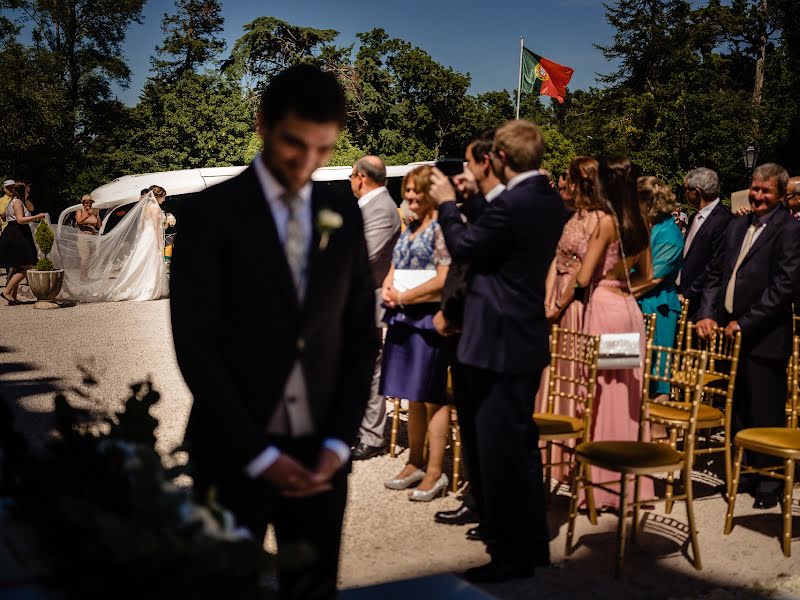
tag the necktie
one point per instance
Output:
(295, 246)
(748, 241)
(692, 233)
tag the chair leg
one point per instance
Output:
(587, 474)
(548, 471)
(788, 473)
(635, 524)
(456, 457)
(395, 427)
(727, 442)
(574, 486)
(623, 518)
(689, 491)
(737, 469)
(673, 442)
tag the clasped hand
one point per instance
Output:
(705, 328)
(293, 480)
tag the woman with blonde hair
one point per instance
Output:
(414, 364)
(660, 295)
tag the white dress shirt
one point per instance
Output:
(699, 220)
(520, 177)
(495, 192)
(292, 416)
(364, 200)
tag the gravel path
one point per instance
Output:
(386, 537)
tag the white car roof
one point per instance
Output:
(125, 189)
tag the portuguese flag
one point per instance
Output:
(543, 76)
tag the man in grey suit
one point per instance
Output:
(381, 230)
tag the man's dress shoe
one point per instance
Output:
(474, 534)
(460, 516)
(767, 500)
(495, 572)
(364, 452)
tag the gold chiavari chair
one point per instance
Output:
(680, 333)
(573, 376)
(397, 410)
(718, 384)
(780, 442)
(641, 458)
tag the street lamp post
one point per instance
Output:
(750, 156)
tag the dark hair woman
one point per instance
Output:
(620, 243)
(17, 249)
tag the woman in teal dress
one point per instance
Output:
(660, 296)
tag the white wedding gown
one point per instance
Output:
(127, 263)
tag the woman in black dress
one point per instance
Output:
(17, 250)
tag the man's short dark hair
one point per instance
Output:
(481, 144)
(306, 91)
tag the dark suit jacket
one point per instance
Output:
(766, 283)
(509, 249)
(700, 255)
(236, 348)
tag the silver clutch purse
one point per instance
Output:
(619, 351)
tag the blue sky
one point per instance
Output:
(479, 38)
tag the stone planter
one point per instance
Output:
(46, 285)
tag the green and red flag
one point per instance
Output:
(543, 76)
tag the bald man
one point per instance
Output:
(793, 196)
(381, 230)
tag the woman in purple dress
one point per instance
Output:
(414, 365)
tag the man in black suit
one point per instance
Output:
(750, 288)
(504, 345)
(280, 373)
(705, 233)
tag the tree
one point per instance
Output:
(192, 38)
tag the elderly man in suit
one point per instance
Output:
(504, 344)
(705, 233)
(281, 380)
(381, 230)
(750, 288)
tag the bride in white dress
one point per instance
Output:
(127, 263)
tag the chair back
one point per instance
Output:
(649, 326)
(794, 373)
(723, 361)
(573, 372)
(686, 385)
(680, 333)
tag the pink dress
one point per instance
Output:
(618, 393)
(575, 236)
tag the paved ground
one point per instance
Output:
(387, 537)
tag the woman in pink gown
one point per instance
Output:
(612, 309)
(561, 307)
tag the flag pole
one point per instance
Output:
(519, 77)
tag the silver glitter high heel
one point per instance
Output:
(439, 488)
(404, 482)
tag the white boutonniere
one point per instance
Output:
(328, 221)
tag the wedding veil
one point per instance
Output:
(116, 265)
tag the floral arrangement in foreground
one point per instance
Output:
(110, 518)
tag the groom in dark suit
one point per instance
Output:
(504, 345)
(280, 370)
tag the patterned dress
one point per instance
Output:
(415, 356)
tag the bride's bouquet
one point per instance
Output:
(169, 220)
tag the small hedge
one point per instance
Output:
(44, 239)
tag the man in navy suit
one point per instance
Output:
(504, 345)
(750, 288)
(705, 233)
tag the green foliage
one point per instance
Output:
(344, 152)
(558, 151)
(44, 264)
(44, 237)
(192, 38)
(102, 503)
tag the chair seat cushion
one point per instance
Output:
(550, 424)
(669, 413)
(777, 441)
(629, 456)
